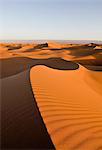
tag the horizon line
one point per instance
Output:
(50, 40)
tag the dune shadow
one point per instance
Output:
(93, 68)
(84, 47)
(82, 51)
(12, 66)
(14, 47)
(79, 51)
(78, 54)
(37, 47)
(91, 64)
(22, 126)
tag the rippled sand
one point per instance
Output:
(70, 107)
(51, 96)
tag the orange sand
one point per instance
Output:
(70, 107)
(66, 82)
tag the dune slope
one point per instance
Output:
(21, 124)
(70, 107)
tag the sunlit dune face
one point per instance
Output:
(70, 103)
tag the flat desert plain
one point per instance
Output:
(51, 96)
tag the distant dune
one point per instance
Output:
(85, 54)
(51, 96)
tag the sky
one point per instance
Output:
(51, 19)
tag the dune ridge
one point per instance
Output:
(21, 126)
(73, 121)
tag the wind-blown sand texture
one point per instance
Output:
(51, 96)
(71, 109)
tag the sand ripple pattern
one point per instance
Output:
(70, 109)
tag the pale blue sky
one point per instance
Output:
(51, 19)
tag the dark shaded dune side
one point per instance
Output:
(91, 64)
(12, 66)
(21, 122)
(19, 64)
(93, 68)
(37, 47)
(95, 62)
(81, 52)
(74, 48)
(14, 47)
(22, 125)
(60, 64)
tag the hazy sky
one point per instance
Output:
(51, 19)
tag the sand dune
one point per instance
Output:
(86, 54)
(22, 126)
(19, 64)
(51, 96)
(70, 107)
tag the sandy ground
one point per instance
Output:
(51, 96)
(70, 107)
(21, 123)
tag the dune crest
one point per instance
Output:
(70, 108)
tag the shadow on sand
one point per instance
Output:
(19, 64)
(21, 123)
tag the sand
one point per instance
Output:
(21, 124)
(71, 109)
(51, 96)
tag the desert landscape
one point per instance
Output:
(51, 96)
